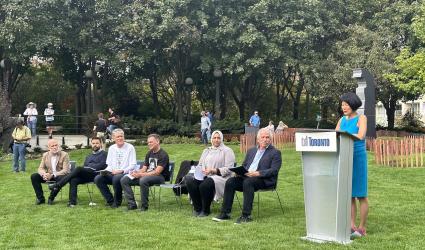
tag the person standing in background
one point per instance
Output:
(205, 128)
(21, 135)
(211, 117)
(31, 113)
(48, 113)
(255, 120)
(100, 129)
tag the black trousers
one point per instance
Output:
(77, 176)
(36, 181)
(247, 185)
(201, 192)
(102, 183)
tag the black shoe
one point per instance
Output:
(71, 205)
(143, 209)
(114, 205)
(131, 207)
(243, 219)
(221, 217)
(40, 201)
(203, 214)
(50, 201)
(196, 213)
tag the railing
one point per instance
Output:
(408, 151)
(67, 124)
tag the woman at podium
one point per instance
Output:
(355, 124)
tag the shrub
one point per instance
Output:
(78, 146)
(175, 139)
(38, 150)
(64, 147)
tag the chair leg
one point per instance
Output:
(280, 203)
(258, 206)
(159, 199)
(90, 191)
(180, 197)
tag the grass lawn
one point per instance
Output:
(396, 219)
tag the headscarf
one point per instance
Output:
(221, 137)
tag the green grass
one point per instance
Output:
(395, 222)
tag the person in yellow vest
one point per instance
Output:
(21, 136)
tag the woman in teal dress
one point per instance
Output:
(355, 124)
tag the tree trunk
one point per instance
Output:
(154, 88)
(307, 105)
(179, 102)
(296, 101)
(390, 108)
(223, 101)
(217, 108)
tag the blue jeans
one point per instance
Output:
(19, 155)
(32, 125)
(111, 128)
(204, 136)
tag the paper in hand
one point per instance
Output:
(199, 175)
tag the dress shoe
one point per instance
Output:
(114, 205)
(221, 217)
(243, 219)
(203, 214)
(50, 201)
(131, 207)
(196, 213)
(143, 209)
(40, 201)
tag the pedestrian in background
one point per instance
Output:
(31, 114)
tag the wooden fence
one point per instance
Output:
(408, 151)
(248, 141)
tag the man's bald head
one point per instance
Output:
(53, 146)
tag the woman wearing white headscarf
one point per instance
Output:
(215, 163)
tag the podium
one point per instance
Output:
(327, 158)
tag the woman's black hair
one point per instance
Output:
(352, 100)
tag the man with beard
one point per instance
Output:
(95, 162)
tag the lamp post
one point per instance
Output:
(188, 82)
(217, 74)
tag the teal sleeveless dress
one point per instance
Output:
(359, 186)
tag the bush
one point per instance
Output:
(175, 139)
(228, 126)
(38, 150)
(78, 146)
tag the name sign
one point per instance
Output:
(315, 141)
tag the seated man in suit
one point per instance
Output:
(94, 162)
(121, 160)
(53, 167)
(263, 164)
(154, 171)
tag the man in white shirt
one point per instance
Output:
(205, 128)
(31, 113)
(121, 160)
(54, 166)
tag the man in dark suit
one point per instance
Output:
(263, 164)
(95, 162)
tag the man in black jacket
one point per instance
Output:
(93, 163)
(263, 164)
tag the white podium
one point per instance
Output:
(327, 158)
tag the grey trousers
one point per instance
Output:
(144, 183)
